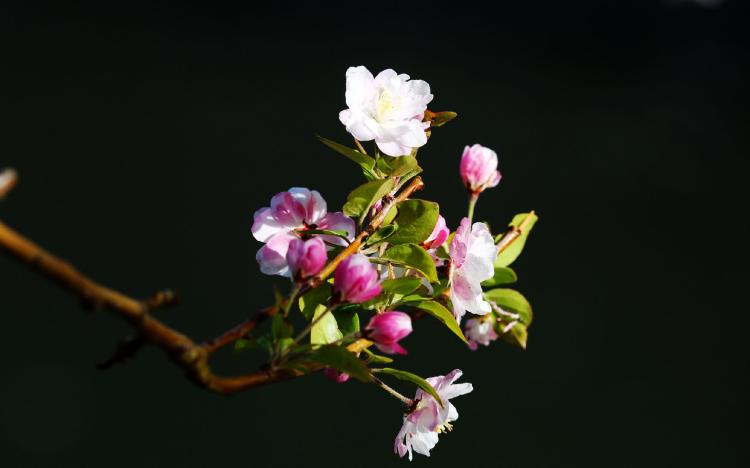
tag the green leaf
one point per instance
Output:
(438, 119)
(381, 234)
(518, 335)
(438, 311)
(363, 160)
(327, 329)
(244, 345)
(414, 257)
(341, 359)
(413, 378)
(347, 319)
(376, 358)
(341, 233)
(398, 166)
(511, 253)
(312, 299)
(416, 219)
(400, 286)
(512, 301)
(360, 200)
(391, 215)
(503, 275)
(280, 328)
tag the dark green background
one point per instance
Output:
(147, 136)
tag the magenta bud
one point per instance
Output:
(336, 376)
(355, 280)
(479, 168)
(306, 257)
(439, 234)
(387, 329)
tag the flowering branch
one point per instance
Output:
(392, 259)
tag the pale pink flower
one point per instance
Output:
(306, 257)
(387, 329)
(479, 168)
(472, 254)
(355, 280)
(296, 209)
(480, 330)
(387, 108)
(419, 432)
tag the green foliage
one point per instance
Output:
(347, 319)
(381, 234)
(518, 335)
(413, 378)
(341, 359)
(438, 311)
(512, 301)
(327, 329)
(366, 162)
(280, 328)
(376, 358)
(400, 286)
(511, 253)
(398, 166)
(360, 200)
(503, 275)
(416, 219)
(312, 299)
(413, 256)
(340, 233)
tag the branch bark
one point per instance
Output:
(184, 352)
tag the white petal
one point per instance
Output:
(360, 87)
(393, 148)
(272, 256)
(265, 225)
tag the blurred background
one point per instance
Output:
(146, 136)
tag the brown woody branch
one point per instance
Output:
(183, 351)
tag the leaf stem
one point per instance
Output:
(359, 146)
(292, 296)
(406, 401)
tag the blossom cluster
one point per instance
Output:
(392, 258)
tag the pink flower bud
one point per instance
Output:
(306, 257)
(387, 329)
(356, 280)
(479, 168)
(336, 376)
(439, 235)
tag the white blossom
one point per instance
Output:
(388, 108)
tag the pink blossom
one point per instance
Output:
(387, 329)
(355, 280)
(480, 330)
(296, 209)
(335, 375)
(438, 236)
(479, 168)
(472, 254)
(306, 257)
(422, 425)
